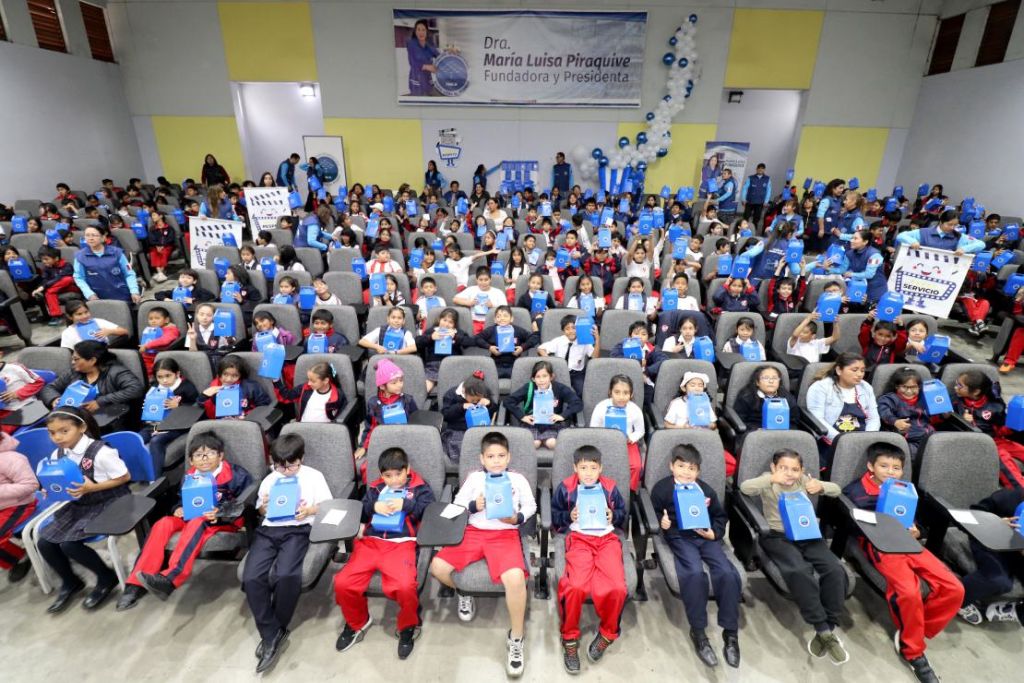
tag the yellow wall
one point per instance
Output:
(682, 165)
(773, 49)
(828, 152)
(268, 41)
(387, 152)
(184, 141)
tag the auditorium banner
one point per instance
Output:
(519, 57)
(207, 232)
(929, 279)
(329, 151)
(720, 155)
(266, 205)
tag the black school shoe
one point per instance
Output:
(571, 656)
(702, 646)
(272, 650)
(19, 571)
(731, 650)
(923, 670)
(99, 595)
(406, 639)
(157, 584)
(131, 596)
(64, 597)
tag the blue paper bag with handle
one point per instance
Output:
(198, 495)
(1011, 232)
(724, 265)
(545, 209)
(87, 331)
(19, 225)
(153, 409)
(378, 284)
(890, 306)
(228, 291)
(229, 240)
(498, 498)
(587, 305)
(604, 238)
(538, 302)
(592, 507)
(150, 334)
(936, 397)
(750, 351)
(644, 224)
(775, 414)
(412, 207)
(77, 393)
(316, 343)
(740, 267)
(294, 200)
(477, 416)
(286, 299)
(584, 330)
(562, 259)
(632, 347)
(615, 418)
(224, 323)
(228, 402)
(1019, 514)
(283, 499)
(976, 229)
(1015, 413)
(635, 302)
(394, 522)
(443, 346)
(857, 290)
(898, 499)
(795, 251)
(829, 304)
(307, 297)
(982, 261)
(20, 270)
(799, 520)
(394, 340)
(935, 348)
(506, 338)
(922, 190)
(679, 249)
(263, 339)
(394, 414)
(1013, 283)
(669, 300)
(359, 267)
(55, 475)
(220, 266)
(698, 409)
(272, 362)
(691, 507)
(415, 258)
(607, 216)
(140, 229)
(543, 407)
(897, 192)
(269, 267)
(372, 228)
(704, 349)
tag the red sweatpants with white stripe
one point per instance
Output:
(11, 554)
(593, 566)
(1011, 460)
(396, 562)
(917, 618)
(51, 294)
(194, 535)
(160, 255)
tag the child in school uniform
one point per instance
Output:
(736, 295)
(593, 559)
(78, 313)
(322, 324)
(496, 541)
(324, 295)
(902, 409)
(390, 382)
(535, 286)
(521, 405)
(620, 395)
(604, 266)
(18, 486)
(522, 340)
(820, 600)
(247, 297)
(264, 322)
(995, 572)
(248, 256)
(678, 415)
(392, 553)
(374, 339)
(651, 358)
(432, 352)
(880, 343)
(201, 337)
(480, 298)
(152, 574)
(320, 399)
(392, 295)
(977, 399)
(193, 294)
(471, 393)
(576, 355)
(636, 300)
(427, 299)
(585, 287)
(161, 241)
(915, 618)
(745, 329)
(232, 371)
(281, 545)
(783, 297)
(167, 375)
(22, 384)
(56, 277)
(76, 435)
(804, 342)
(691, 550)
(159, 323)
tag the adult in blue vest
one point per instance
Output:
(311, 233)
(286, 172)
(945, 235)
(766, 254)
(101, 270)
(421, 56)
(829, 209)
(757, 192)
(432, 177)
(851, 218)
(561, 174)
(864, 262)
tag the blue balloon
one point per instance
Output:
(683, 62)
(602, 162)
(666, 98)
(623, 142)
(668, 133)
(641, 166)
(650, 116)
(641, 138)
(662, 152)
(597, 153)
(693, 18)
(672, 41)
(668, 58)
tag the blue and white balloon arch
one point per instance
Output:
(616, 170)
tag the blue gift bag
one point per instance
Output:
(180, 294)
(607, 216)
(150, 334)
(153, 409)
(976, 229)
(1013, 283)
(545, 209)
(412, 207)
(890, 306)
(795, 251)
(674, 233)
(632, 347)
(740, 267)
(658, 220)
(704, 349)
(498, 502)
(443, 346)
(828, 306)
(1011, 232)
(935, 348)
(431, 302)
(500, 243)
(586, 304)
(543, 407)
(415, 258)
(698, 409)
(440, 267)
(283, 500)
(285, 299)
(497, 268)
(853, 184)
(592, 507)
(372, 228)
(819, 189)
(775, 414)
(562, 258)
(584, 330)
(516, 202)
(481, 230)
(538, 302)
(378, 284)
(224, 323)
(891, 205)
(53, 237)
(77, 393)
(922, 190)
(437, 244)
(228, 291)
(462, 206)
(712, 186)
(506, 335)
(669, 300)
(936, 397)
(20, 270)
(228, 402)
(394, 340)
(316, 343)
(220, 266)
(1019, 514)
(635, 302)
(392, 523)
(982, 261)
(897, 192)
(645, 224)
(798, 517)
(615, 418)
(623, 205)
(666, 191)
(750, 351)
(679, 249)
(787, 194)
(229, 240)
(394, 414)
(55, 475)
(898, 499)
(294, 200)
(272, 362)
(604, 238)
(724, 265)
(19, 225)
(307, 298)
(857, 290)
(477, 416)
(691, 507)
(1015, 413)
(872, 194)
(263, 339)
(359, 267)
(1002, 258)
(198, 495)
(140, 229)
(269, 267)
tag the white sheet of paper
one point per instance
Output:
(334, 517)
(865, 516)
(452, 511)
(963, 516)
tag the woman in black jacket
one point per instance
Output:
(117, 387)
(766, 382)
(213, 173)
(522, 405)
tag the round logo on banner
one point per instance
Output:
(452, 76)
(328, 166)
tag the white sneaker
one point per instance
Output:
(971, 614)
(1002, 611)
(516, 661)
(160, 277)
(467, 607)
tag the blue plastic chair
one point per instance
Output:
(135, 454)
(36, 445)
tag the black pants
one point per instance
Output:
(820, 598)
(752, 212)
(281, 548)
(690, 556)
(576, 379)
(59, 556)
(994, 574)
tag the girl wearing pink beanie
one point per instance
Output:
(389, 406)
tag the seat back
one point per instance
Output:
(709, 296)
(784, 326)
(215, 251)
(311, 258)
(117, 312)
(520, 445)
(55, 359)
(883, 374)
(599, 374)
(961, 468)
(252, 360)
(195, 367)
(811, 372)
(411, 367)
(522, 370)
(208, 279)
(343, 371)
(243, 443)
(447, 286)
(725, 328)
(741, 374)
(615, 326)
(455, 370)
(286, 315)
(815, 288)
(611, 443)
(329, 450)
(346, 286)
(36, 445)
(551, 326)
(572, 285)
(345, 321)
(281, 237)
(759, 446)
(849, 462)
(131, 359)
(707, 443)
(378, 317)
(175, 309)
(523, 282)
(422, 445)
(666, 387)
(520, 318)
(953, 370)
(135, 455)
(340, 260)
(28, 243)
